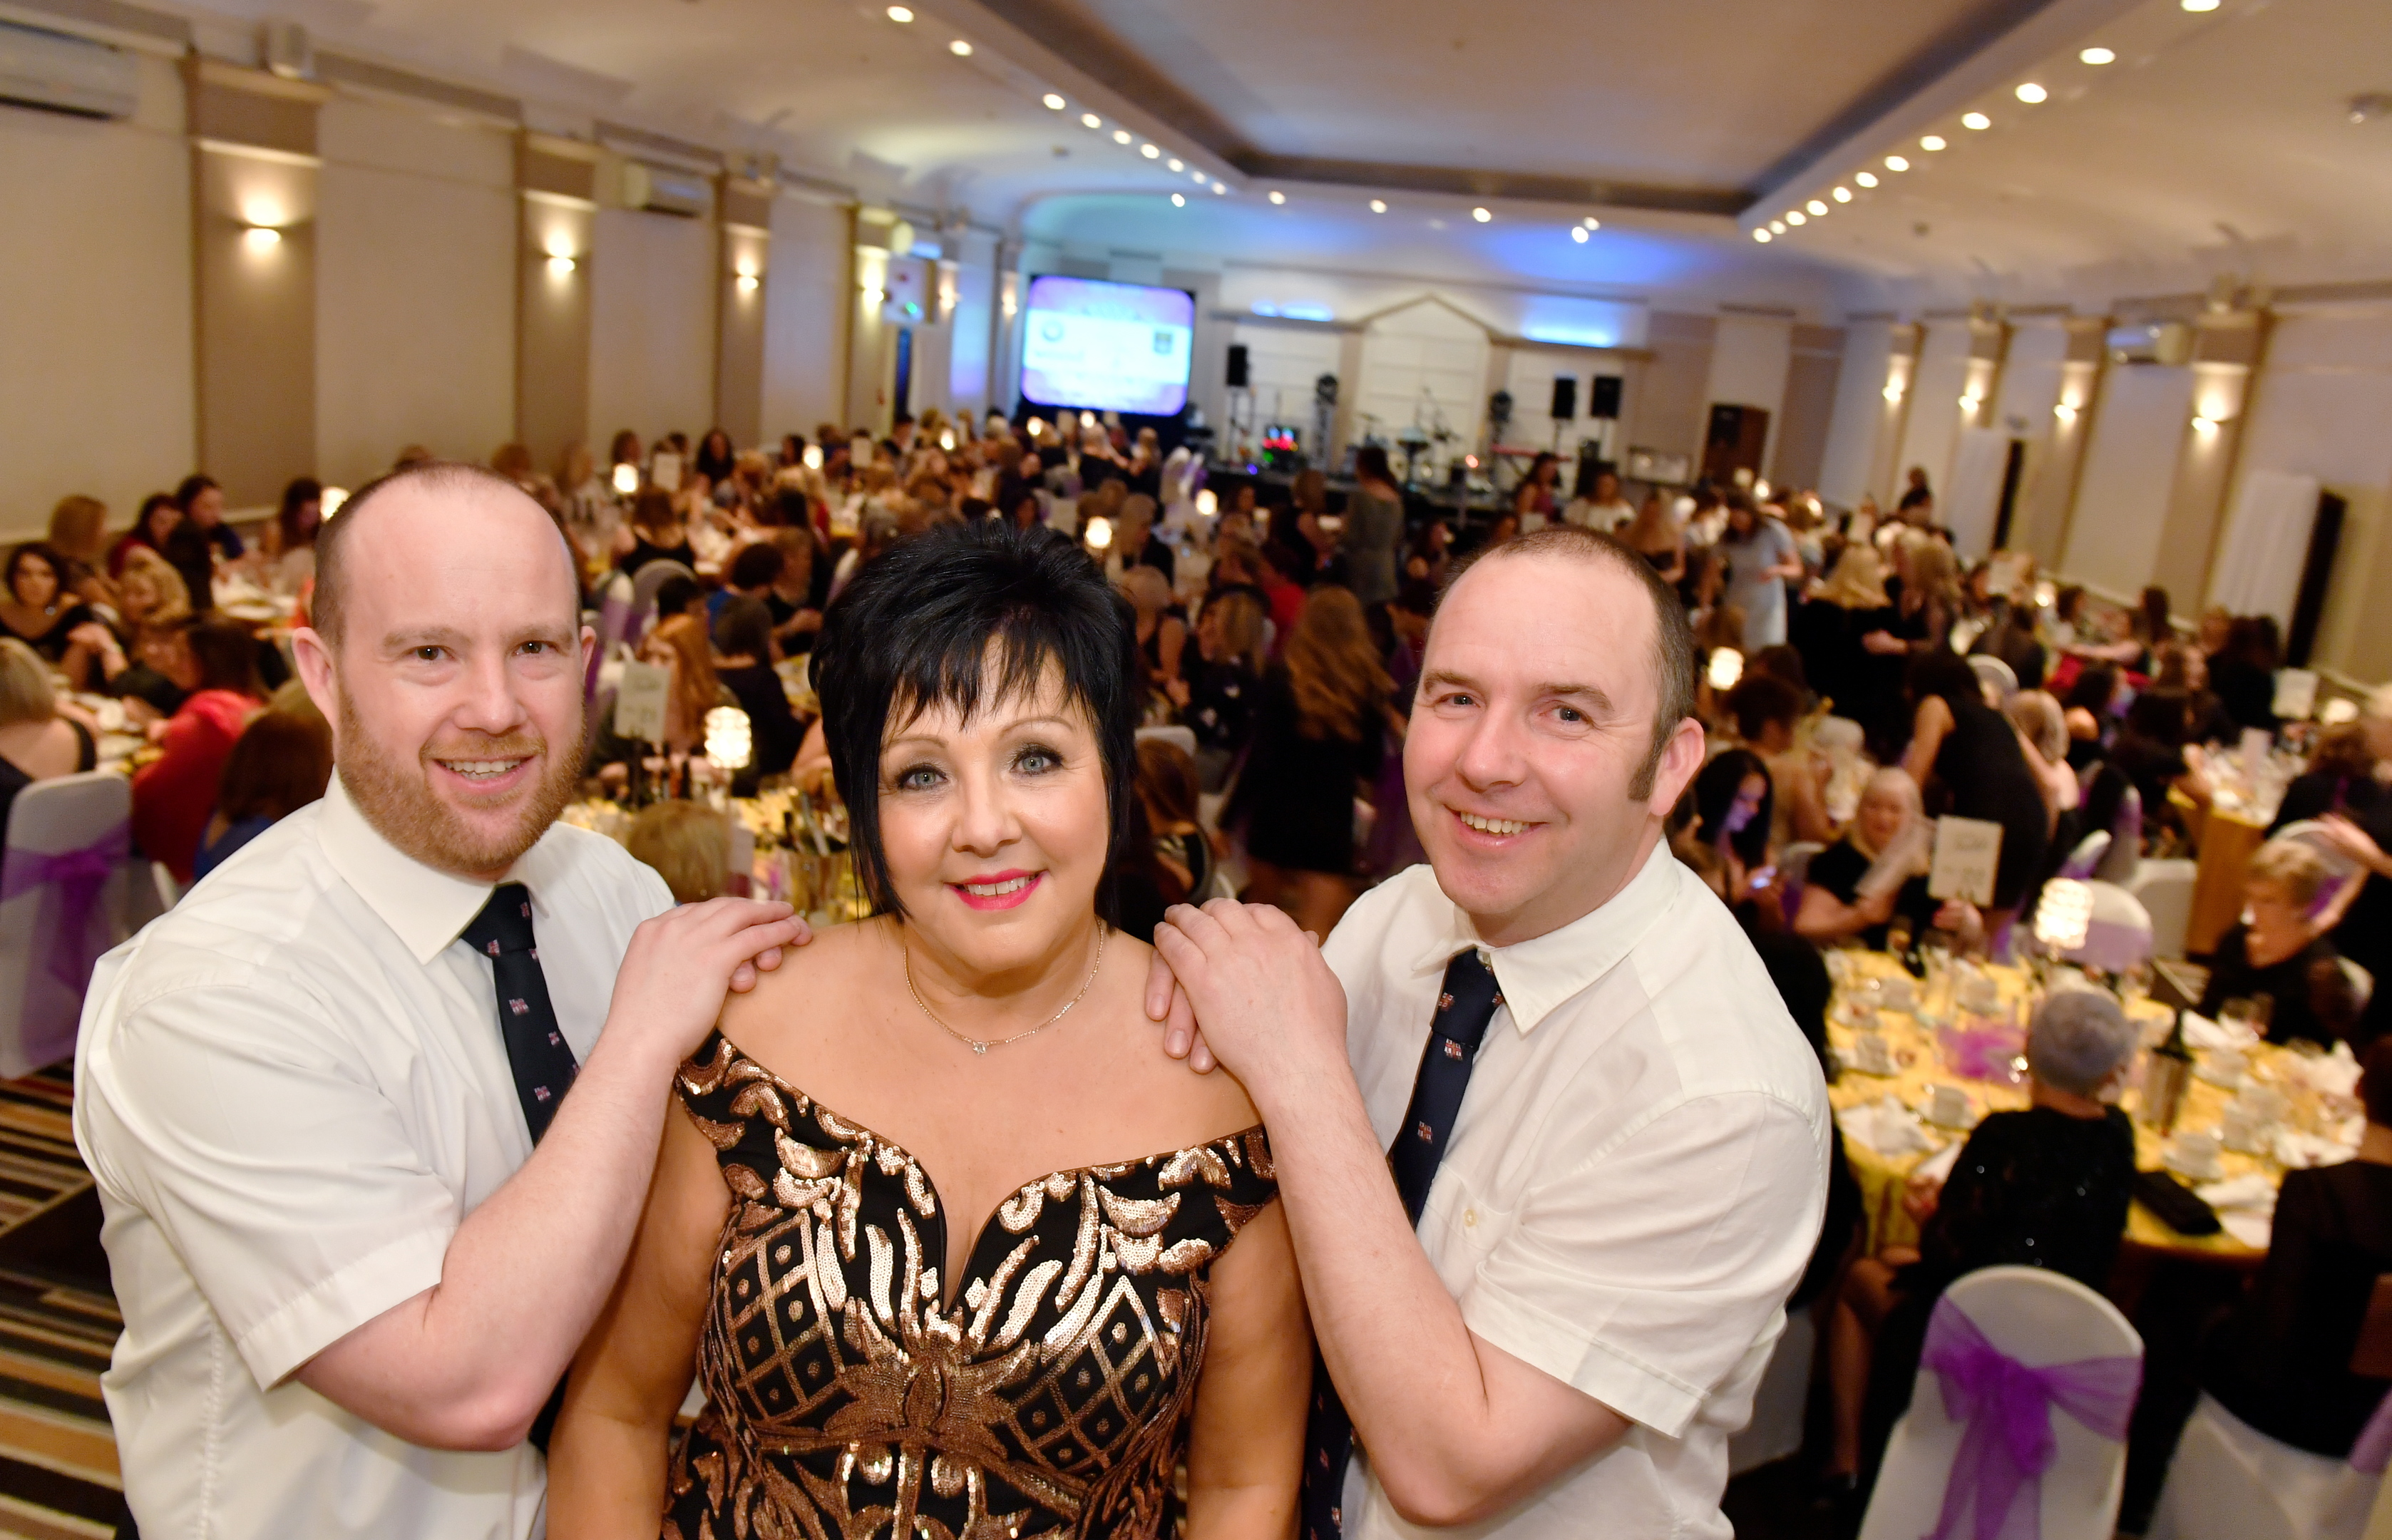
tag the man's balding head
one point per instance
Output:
(442, 480)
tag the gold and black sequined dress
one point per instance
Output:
(848, 1397)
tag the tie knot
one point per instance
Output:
(504, 924)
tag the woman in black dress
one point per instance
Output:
(37, 608)
(1319, 736)
(1980, 767)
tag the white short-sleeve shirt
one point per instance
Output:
(1632, 1186)
(292, 1090)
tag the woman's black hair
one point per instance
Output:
(913, 631)
(26, 552)
(192, 486)
(2095, 688)
(1945, 674)
(2163, 716)
(1717, 786)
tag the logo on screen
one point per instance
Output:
(1163, 342)
(1052, 331)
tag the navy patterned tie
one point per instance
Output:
(537, 1051)
(1463, 1008)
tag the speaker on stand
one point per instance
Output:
(1324, 413)
(1239, 379)
(1564, 408)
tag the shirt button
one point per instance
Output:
(1470, 1219)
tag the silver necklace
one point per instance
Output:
(981, 1045)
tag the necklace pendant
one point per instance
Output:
(979, 1048)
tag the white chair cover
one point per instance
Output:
(2231, 1482)
(1838, 735)
(1997, 679)
(2087, 856)
(644, 584)
(1780, 1400)
(2120, 934)
(1185, 738)
(2164, 890)
(66, 890)
(2039, 1319)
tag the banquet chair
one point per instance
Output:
(1184, 738)
(613, 626)
(2164, 890)
(2231, 1482)
(2340, 868)
(1951, 1446)
(1997, 679)
(654, 575)
(2119, 935)
(2126, 840)
(2087, 856)
(67, 893)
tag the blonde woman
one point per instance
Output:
(1834, 909)
(1655, 536)
(1162, 636)
(688, 845)
(1320, 734)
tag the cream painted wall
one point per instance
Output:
(95, 368)
(1931, 428)
(2030, 371)
(1860, 411)
(2121, 496)
(1749, 356)
(652, 325)
(2322, 407)
(807, 294)
(415, 289)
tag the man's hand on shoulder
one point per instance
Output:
(1271, 1009)
(682, 963)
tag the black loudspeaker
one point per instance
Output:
(1499, 408)
(1565, 398)
(1603, 396)
(1237, 365)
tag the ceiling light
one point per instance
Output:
(1175, 164)
(1591, 222)
(1796, 216)
(2096, 56)
(1865, 179)
(1179, 200)
(1976, 120)
(1816, 207)
(1843, 195)
(1931, 142)
(1121, 136)
(1218, 188)
(1777, 227)
(960, 48)
(2198, 5)
(1578, 233)
(1378, 205)
(1278, 196)
(2030, 93)
(1053, 102)
(1896, 162)
(1762, 236)
(1481, 215)
(1090, 120)
(900, 13)
(1149, 152)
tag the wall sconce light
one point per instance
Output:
(2204, 425)
(875, 296)
(1893, 391)
(1968, 403)
(2065, 411)
(261, 238)
(746, 282)
(559, 265)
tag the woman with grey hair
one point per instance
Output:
(2046, 1187)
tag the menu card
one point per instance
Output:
(1967, 850)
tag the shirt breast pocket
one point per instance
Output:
(1459, 1229)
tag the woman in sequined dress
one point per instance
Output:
(953, 1252)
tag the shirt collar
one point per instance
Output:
(425, 906)
(1537, 975)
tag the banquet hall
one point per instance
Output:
(2000, 389)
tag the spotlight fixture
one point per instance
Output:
(1278, 196)
(1865, 179)
(1218, 188)
(1149, 152)
(1777, 227)
(1179, 200)
(1175, 164)
(1762, 236)
(1578, 233)
(2096, 55)
(1843, 195)
(1378, 205)
(2030, 93)
(2197, 6)
(1816, 207)
(960, 48)
(1931, 143)
(1090, 120)
(1796, 216)
(1054, 103)
(900, 14)
(1121, 136)
(1481, 215)
(1896, 162)
(1976, 120)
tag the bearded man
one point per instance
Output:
(357, 1225)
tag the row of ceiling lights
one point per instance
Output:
(1055, 102)
(2032, 92)
(1483, 214)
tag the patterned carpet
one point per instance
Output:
(58, 1324)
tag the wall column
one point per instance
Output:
(556, 219)
(1902, 365)
(744, 207)
(253, 182)
(2049, 504)
(2226, 349)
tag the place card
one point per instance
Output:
(639, 698)
(1967, 852)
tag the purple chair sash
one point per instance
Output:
(70, 931)
(2372, 1451)
(1996, 1488)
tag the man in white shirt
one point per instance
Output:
(1560, 1047)
(350, 1282)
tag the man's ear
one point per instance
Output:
(319, 671)
(1680, 759)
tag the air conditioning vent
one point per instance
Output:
(659, 191)
(2165, 342)
(57, 73)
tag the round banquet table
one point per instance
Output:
(1920, 1063)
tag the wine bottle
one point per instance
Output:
(2166, 1074)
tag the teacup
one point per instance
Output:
(1898, 993)
(1947, 1107)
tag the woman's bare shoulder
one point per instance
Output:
(820, 972)
(1200, 1107)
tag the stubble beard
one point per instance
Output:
(396, 799)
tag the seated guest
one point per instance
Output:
(2087, 708)
(688, 845)
(79, 538)
(2341, 777)
(158, 514)
(1221, 675)
(1161, 635)
(655, 532)
(37, 608)
(744, 638)
(679, 595)
(153, 607)
(2183, 666)
(1833, 908)
(679, 646)
(215, 661)
(2244, 671)
(279, 765)
(2275, 951)
(37, 743)
(2042, 728)
(800, 590)
(2281, 1363)
(2151, 752)
(1166, 789)
(1765, 711)
(2046, 1187)
(1731, 799)
(288, 544)
(201, 542)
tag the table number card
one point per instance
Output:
(1967, 853)
(2296, 691)
(640, 702)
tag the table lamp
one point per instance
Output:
(730, 743)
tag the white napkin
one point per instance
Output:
(2335, 1074)
(2247, 1206)
(2296, 1151)
(1937, 1166)
(2201, 1032)
(1885, 1125)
